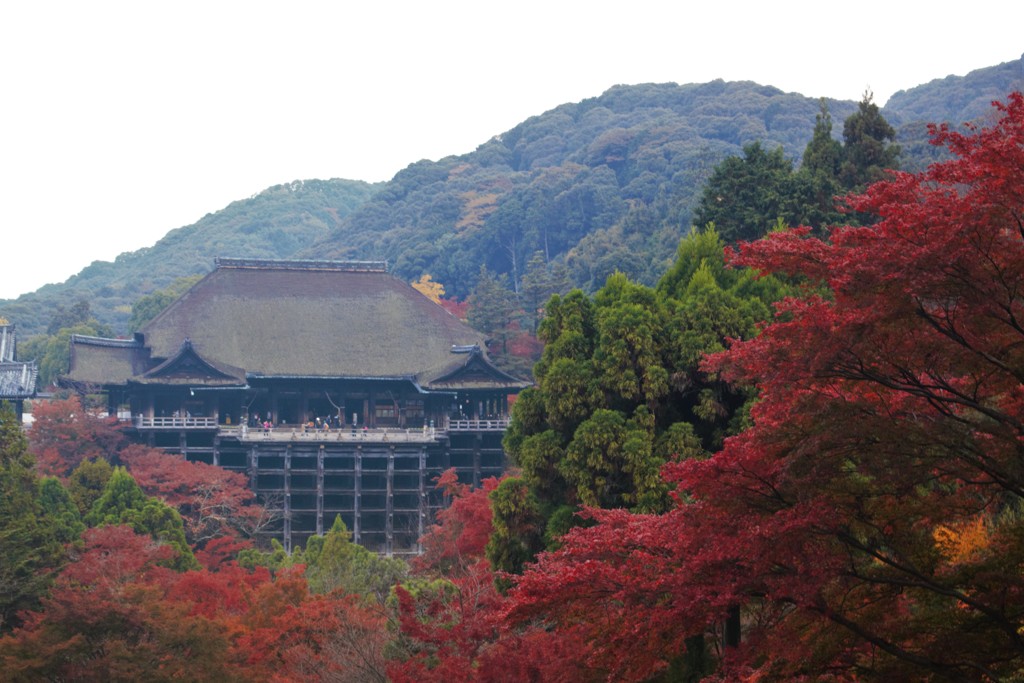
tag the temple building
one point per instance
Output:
(334, 386)
(17, 380)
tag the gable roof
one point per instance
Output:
(262, 319)
(189, 368)
(475, 371)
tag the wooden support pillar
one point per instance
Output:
(288, 498)
(478, 442)
(253, 466)
(389, 506)
(357, 497)
(424, 508)
(320, 491)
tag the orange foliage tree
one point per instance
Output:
(64, 434)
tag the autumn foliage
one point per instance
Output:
(117, 613)
(214, 503)
(64, 434)
(845, 521)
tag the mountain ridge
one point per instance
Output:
(602, 184)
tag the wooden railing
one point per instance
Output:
(141, 422)
(297, 433)
(498, 424)
(289, 431)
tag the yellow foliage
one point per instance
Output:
(428, 288)
(476, 209)
(961, 542)
(4, 321)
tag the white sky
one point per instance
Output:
(120, 121)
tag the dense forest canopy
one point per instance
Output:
(602, 185)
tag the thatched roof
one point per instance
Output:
(265, 319)
(97, 360)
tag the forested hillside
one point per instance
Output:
(957, 98)
(602, 185)
(611, 183)
(952, 99)
(275, 223)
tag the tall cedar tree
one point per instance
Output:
(31, 542)
(868, 149)
(492, 310)
(891, 412)
(748, 196)
(620, 393)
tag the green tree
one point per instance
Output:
(87, 483)
(868, 149)
(123, 502)
(628, 360)
(610, 462)
(817, 182)
(517, 536)
(492, 309)
(541, 281)
(61, 510)
(77, 313)
(823, 154)
(747, 195)
(275, 559)
(621, 391)
(30, 544)
(334, 562)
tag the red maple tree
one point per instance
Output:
(64, 433)
(457, 540)
(213, 502)
(329, 638)
(110, 616)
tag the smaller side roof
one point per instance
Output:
(101, 361)
(475, 372)
(18, 380)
